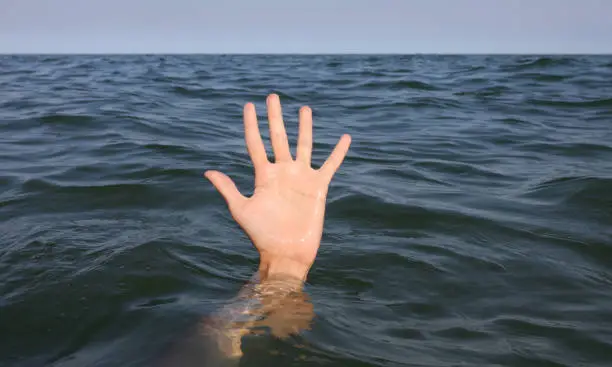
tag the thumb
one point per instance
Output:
(226, 187)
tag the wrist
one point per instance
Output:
(278, 267)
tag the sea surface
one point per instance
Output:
(470, 224)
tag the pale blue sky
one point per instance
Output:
(309, 26)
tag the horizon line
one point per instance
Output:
(609, 53)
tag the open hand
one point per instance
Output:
(284, 216)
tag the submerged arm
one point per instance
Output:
(273, 303)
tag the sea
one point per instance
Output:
(469, 225)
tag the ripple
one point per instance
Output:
(543, 77)
(603, 102)
(395, 85)
(66, 119)
(458, 169)
(575, 189)
(542, 62)
(494, 91)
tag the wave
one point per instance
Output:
(595, 103)
(397, 85)
(459, 168)
(112, 195)
(543, 62)
(197, 92)
(495, 91)
(587, 191)
(409, 103)
(545, 77)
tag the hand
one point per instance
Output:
(284, 216)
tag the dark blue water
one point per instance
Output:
(470, 224)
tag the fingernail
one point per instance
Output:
(272, 97)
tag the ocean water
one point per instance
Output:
(470, 224)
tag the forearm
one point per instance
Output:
(272, 299)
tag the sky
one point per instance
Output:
(307, 26)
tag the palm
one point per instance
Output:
(285, 214)
(286, 211)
